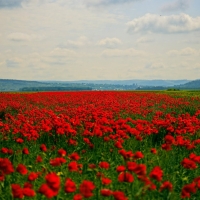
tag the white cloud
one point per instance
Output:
(177, 5)
(81, 41)
(122, 52)
(62, 52)
(196, 67)
(86, 35)
(58, 56)
(109, 42)
(193, 40)
(155, 66)
(144, 40)
(188, 51)
(18, 36)
(164, 24)
(14, 62)
(107, 2)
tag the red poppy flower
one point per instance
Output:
(106, 181)
(156, 173)
(22, 169)
(138, 155)
(28, 192)
(47, 191)
(6, 166)
(104, 165)
(154, 151)
(86, 188)
(188, 189)
(4, 150)
(73, 166)
(62, 152)
(188, 164)
(39, 159)
(169, 139)
(43, 148)
(166, 185)
(77, 197)
(74, 156)
(120, 168)
(53, 181)
(25, 151)
(152, 186)
(86, 140)
(195, 158)
(118, 145)
(28, 185)
(106, 192)
(118, 195)
(17, 191)
(144, 179)
(19, 140)
(166, 147)
(32, 176)
(131, 166)
(57, 161)
(70, 186)
(197, 181)
(140, 169)
(126, 154)
(72, 142)
(106, 139)
(125, 177)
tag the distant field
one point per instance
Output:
(100, 145)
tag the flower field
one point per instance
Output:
(99, 145)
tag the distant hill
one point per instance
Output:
(190, 85)
(23, 85)
(151, 88)
(15, 85)
(128, 82)
(48, 88)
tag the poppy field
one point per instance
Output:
(100, 145)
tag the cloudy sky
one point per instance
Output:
(99, 39)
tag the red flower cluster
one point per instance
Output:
(188, 164)
(104, 165)
(156, 173)
(6, 168)
(57, 161)
(62, 152)
(106, 181)
(43, 148)
(119, 195)
(86, 188)
(19, 192)
(166, 185)
(74, 156)
(33, 176)
(125, 177)
(95, 120)
(52, 185)
(188, 189)
(70, 186)
(22, 169)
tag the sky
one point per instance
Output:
(69, 40)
